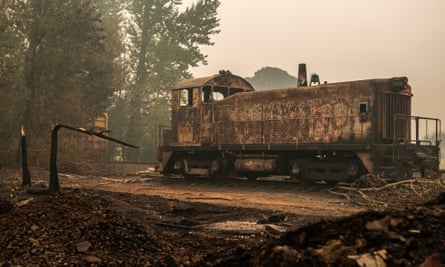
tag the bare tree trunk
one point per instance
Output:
(30, 116)
(134, 132)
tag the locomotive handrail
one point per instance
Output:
(428, 142)
(417, 119)
(417, 141)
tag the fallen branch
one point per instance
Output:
(397, 193)
(339, 194)
(414, 190)
(180, 226)
(365, 197)
(399, 183)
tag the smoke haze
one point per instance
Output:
(340, 40)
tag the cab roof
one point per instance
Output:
(222, 79)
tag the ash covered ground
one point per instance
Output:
(90, 226)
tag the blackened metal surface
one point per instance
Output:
(321, 114)
(350, 113)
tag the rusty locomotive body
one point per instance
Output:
(222, 126)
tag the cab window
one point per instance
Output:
(207, 94)
(363, 107)
(235, 91)
(219, 93)
(186, 97)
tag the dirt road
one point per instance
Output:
(276, 193)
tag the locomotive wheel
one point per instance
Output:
(294, 171)
(188, 176)
(252, 177)
(217, 168)
(184, 166)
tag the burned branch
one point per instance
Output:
(54, 186)
(391, 194)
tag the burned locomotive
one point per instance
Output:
(221, 126)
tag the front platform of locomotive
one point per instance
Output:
(405, 143)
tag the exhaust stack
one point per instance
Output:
(302, 75)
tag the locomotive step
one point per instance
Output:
(400, 157)
(387, 167)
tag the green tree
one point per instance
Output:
(12, 92)
(271, 78)
(69, 68)
(164, 44)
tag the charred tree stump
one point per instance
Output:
(54, 186)
(26, 176)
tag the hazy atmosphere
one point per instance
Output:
(111, 154)
(339, 40)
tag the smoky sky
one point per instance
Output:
(340, 40)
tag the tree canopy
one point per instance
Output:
(69, 61)
(164, 44)
(271, 78)
(59, 64)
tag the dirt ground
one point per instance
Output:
(148, 220)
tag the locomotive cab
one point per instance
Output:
(193, 120)
(193, 103)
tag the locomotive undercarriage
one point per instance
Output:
(304, 166)
(329, 166)
(389, 161)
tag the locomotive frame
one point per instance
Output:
(221, 126)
